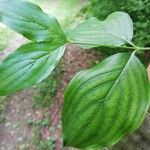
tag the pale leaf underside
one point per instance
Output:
(116, 30)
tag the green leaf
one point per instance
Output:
(116, 30)
(29, 64)
(29, 20)
(105, 103)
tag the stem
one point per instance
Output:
(134, 47)
(124, 47)
(144, 48)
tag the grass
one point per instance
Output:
(41, 144)
(46, 144)
(46, 90)
(44, 122)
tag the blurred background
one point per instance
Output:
(30, 119)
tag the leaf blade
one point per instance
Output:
(29, 20)
(29, 64)
(104, 103)
(116, 30)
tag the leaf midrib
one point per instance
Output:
(113, 86)
(121, 73)
(110, 33)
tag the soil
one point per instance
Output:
(15, 130)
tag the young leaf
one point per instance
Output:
(104, 103)
(29, 64)
(29, 20)
(116, 30)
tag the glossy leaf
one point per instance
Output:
(29, 20)
(29, 64)
(105, 103)
(116, 30)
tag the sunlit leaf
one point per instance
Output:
(106, 102)
(29, 20)
(29, 64)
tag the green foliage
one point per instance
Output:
(41, 144)
(137, 9)
(30, 21)
(36, 136)
(38, 1)
(45, 121)
(2, 108)
(66, 11)
(31, 64)
(46, 91)
(2, 103)
(46, 145)
(4, 37)
(102, 104)
(37, 126)
(32, 60)
(116, 30)
(96, 104)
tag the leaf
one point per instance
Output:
(29, 20)
(29, 64)
(106, 102)
(116, 30)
